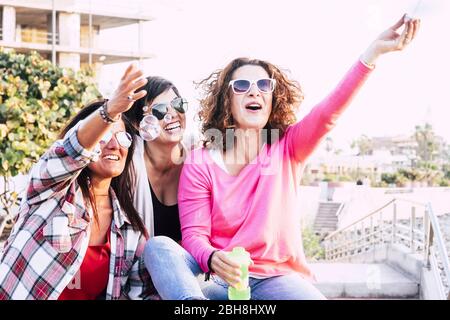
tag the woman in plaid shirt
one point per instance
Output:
(76, 236)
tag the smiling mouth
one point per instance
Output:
(173, 127)
(111, 157)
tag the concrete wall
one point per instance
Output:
(69, 35)
(9, 23)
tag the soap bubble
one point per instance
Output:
(149, 128)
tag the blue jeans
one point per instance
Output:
(176, 276)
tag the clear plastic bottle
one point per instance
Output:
(242, 289)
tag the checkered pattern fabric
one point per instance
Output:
(51, 234)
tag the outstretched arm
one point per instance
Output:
(65, 159)
(304, 136)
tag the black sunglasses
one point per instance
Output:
(159, 110)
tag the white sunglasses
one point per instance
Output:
(241, 86)
(123, 138)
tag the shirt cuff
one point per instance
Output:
(371, 66)
(75, 150)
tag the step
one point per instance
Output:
(322, 225)
(364, 281)
(326, 219)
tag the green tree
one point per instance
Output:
(364, 145)
(427, 144)
(311, 245)
(36, 100)
(389, 178)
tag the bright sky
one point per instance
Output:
(317, 41)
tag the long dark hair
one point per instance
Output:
(122, 184)
(154, 87)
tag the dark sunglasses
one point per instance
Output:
(241, 86)
(159, 110)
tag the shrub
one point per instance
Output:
(36, 101)
(311, 244)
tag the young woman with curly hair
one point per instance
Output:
(240, 189)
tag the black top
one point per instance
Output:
(166, 219)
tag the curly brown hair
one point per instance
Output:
(215, 107)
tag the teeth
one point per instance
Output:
(111, 157)
(172, 126)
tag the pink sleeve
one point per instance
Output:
(304, 136)
(194, 203)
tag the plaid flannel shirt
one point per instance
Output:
(51, 235)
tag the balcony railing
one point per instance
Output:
(420, 232)
(38, 36)
(34, 36)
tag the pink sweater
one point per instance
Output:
(258, 209)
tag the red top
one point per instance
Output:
(92, 277)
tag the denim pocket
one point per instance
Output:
(219, 281)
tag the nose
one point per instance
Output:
(172, 111)
(171, 115)
(254, 91)
(113, 144)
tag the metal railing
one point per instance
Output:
(35, 36)
(418, 231)
(38, 36)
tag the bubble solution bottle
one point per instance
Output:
(242, 290)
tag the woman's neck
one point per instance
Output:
(163, 157)
(100, 186)
(248, 144)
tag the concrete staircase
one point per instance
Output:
(326, 219)
(363, 281)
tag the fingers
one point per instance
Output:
(138, 95)
(416, 24)
(401, 40)
(399, 23)
(409, 33)
(135, 84)
(228, 270)
(130, 82)
(128, 70)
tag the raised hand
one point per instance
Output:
(125, 94)
(390, 40)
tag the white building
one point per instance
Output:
(67, 31)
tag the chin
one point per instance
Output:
(254, 126)
(173, 138)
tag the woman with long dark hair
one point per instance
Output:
(158, 159)
(77, 234)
